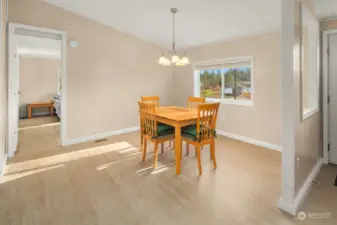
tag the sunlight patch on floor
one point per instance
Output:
(159, 168)
(7, 178)
(39, 126)
(66, 157)
(105, 166)
(102, 167)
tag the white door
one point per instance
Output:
(13, 93)
(333, 98)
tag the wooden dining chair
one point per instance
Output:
(154, 100)
(152, 130)
(203, 133)
(148, 99)
(151, 99)
(193, 103)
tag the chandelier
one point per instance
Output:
(176, 59)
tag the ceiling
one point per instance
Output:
(198, 22)
(38, 47)
(326, 9)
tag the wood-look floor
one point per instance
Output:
(106, 183)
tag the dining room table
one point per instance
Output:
(177, 117)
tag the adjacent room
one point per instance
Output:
(164, 112)
(39, 81)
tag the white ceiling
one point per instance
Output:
(326, 9)
(198, 21)
(38, 47)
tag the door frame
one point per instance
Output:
(63, 34)
(326, 35)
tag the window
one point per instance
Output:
(227, 81)
(310, 65)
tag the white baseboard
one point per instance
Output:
(302, 194)
(250, 140)
(3, 163)
(100, 136)
(289, 208)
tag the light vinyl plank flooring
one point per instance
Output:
(106, 183)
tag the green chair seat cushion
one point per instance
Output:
(164, 130)
(191, 132)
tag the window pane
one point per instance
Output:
(237, 83)
(229, 90)
(243, 83)
(210, 83)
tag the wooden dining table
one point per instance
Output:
(177, 117)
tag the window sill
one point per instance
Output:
(231, 101)
(308, 112)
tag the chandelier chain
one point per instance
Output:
(174, 41)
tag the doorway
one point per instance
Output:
(37, 59)
(330, 92)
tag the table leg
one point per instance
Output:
(29, 112)
(51, 111)
(177, 148)
(141, 135)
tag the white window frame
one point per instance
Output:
(308, 112)
(196, 81)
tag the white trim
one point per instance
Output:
(100, 136)
(250, 140)
(327, 19)
(3, 148)
(290, 67)
(196, 79)
(326, 94)
(303, 192)
(63, 35)
(285, 206)
(3, 165)
(231, 101)
(227, 60)
(307, 113)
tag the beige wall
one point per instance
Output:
(3, 85)
(308, 137)
(329, 25)
(107, 72)
(38, 79)
(262, 121)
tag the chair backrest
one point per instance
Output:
(148, 118)
(151, 99)
(246, 95)
(206, 122)
(193, 102)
